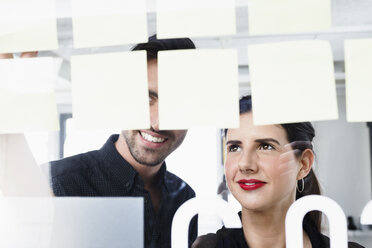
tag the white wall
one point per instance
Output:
(343, 161)
(198, 161)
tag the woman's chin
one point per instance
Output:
(252, 206)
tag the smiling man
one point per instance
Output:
(132, 164)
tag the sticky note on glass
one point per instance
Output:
(292, 82)
(110, 90)
(27, 100)
(198, 88)
(28, 25)
(195, 18)
(358, 64)
(288, 16)
(108, 22)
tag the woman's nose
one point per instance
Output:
(248, 162)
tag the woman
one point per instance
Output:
(267, 168)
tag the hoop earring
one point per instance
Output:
(303, 186)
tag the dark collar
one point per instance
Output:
(317, 239)
(120, 170)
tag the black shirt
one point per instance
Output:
(234, 238)
(105, 173)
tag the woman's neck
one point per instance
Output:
(266, 229)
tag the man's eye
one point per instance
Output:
(265, 146)
(233, 148)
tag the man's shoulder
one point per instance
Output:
(175, 183)
(74, 164)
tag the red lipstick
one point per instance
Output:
(250, 184)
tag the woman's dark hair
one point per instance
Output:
(303, 133)
(154, 45)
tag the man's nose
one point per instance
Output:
(154, 117)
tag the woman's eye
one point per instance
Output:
(266, 146)
(233, 148)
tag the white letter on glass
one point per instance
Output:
(184, 214)
(335, 214)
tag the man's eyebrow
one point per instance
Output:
(266, 140)
(153, 93)
(234, 142)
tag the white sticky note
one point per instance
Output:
(27, 100)
(110, 90)
(198, 88)
(195, 18)
(108, 22)
(288, 16)
(28, 25)
(358, 64)
(292, 82)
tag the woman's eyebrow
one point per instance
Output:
(235, 142)
(266, 140)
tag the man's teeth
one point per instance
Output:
(151, 138)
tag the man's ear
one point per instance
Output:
(306, 163)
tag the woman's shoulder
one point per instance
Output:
(326, 243)
(205, 241)
(322, 241)
(234, 238)
(224, 237)
(355, 245)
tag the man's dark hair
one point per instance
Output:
(153, 46)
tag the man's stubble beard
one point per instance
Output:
(129, 137)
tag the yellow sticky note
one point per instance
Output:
(27, 100)
(198, 88)
(28, 26)
(110, 90)
(195, 18)
(288, 16)
(108, 22)
(292, 82)
(358, 64)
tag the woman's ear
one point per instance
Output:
(306, 163)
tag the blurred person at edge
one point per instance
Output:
(23, 55)
(267, 168)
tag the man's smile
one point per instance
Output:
(152, 138)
